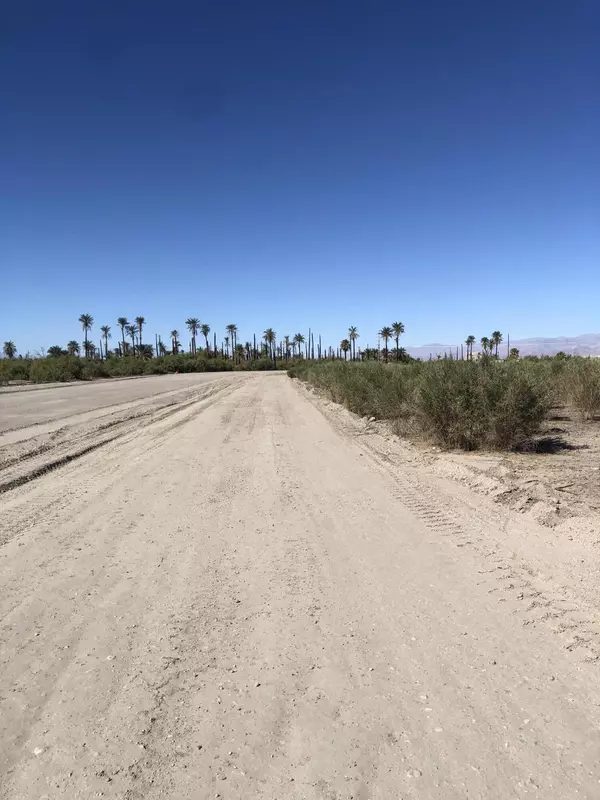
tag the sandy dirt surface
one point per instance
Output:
(247, 593)
(32, 405)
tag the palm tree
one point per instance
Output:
(239, 349)
(131, 331)
(345, 346)
(470, 341)
(514, 353)
(73, 348)
(353, 336)
(386, 334)
(193, 324)
(286, 344)
(397, 330)
(175, 341)
(299, 340)
(145, 350)
(496, 340)
(123, 322)
(87, 322)
(91, 350)
(205, 331)
(106, 336)
(270, 338)
(486, 345)
(140, 322)
(232, 331)
(56, 351)
(227, 345)
(10, 349)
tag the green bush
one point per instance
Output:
(14, 369)
(50, 370)
(581, 385)
(460, 404)
(70, 368)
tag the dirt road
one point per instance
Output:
(234, 594)
(32, 405)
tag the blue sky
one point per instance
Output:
(300, 163)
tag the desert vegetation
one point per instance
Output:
(463, 399)
(131, 356)
(466, 404)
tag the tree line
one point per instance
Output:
(130, 343)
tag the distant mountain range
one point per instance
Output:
(586, 345)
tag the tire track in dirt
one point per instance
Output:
(268, 614)
(72, 441)
(522, 588)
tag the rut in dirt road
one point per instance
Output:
(245, 600)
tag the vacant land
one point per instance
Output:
(32, 405)
(232, 590)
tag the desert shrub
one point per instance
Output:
(453, 403)
(63, 368)
(127, 366)
(69, 368)
(93, 369)
(14, 369)
(581, 385)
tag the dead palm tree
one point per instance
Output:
(353, 335)
(397, 330)
(193, 324)
(87, 322)
(345, 346)
(386, 335)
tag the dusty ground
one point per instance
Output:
(556, 481)
(37, 403)
(250, 594)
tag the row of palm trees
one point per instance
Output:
(288, 347)
(489, 345)
(393, 331)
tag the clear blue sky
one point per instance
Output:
(296, 163)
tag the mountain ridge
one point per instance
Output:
(586, 344)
